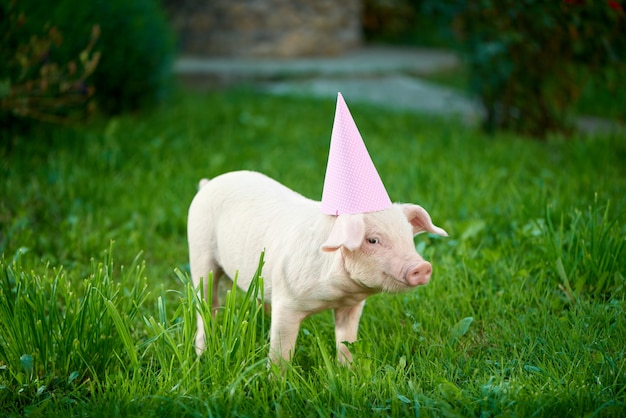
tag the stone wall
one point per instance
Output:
(266, 28)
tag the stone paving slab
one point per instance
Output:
(370, 60)
(380, 75)
(386, 76)
(392, 91)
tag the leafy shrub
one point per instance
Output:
(136, 46)
(405, 22)
(34, 86)
(387, 18)
(529, 60)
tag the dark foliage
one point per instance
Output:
(529, 60)
(135, 43)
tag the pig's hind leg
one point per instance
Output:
(202, 265)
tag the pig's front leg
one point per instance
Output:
(346, 328)
(283, 332)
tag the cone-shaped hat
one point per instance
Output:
(352, 184)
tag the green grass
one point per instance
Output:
(524, 315)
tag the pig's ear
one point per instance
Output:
(420, 220)
(348, 231)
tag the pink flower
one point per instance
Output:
(615, 5)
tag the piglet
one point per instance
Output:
(313, 261)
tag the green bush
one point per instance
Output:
(529, 60)
(405, 22)
(136, 46)
(34, 86)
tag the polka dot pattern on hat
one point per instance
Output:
(352, 184)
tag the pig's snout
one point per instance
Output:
(418, 273)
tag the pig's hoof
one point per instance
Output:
(344, 356)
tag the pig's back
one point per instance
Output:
(242, 213)
(234, 189)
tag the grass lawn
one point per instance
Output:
(524, 315)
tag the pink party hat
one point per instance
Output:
(352, 184)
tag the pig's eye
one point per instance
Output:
(372, 241)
